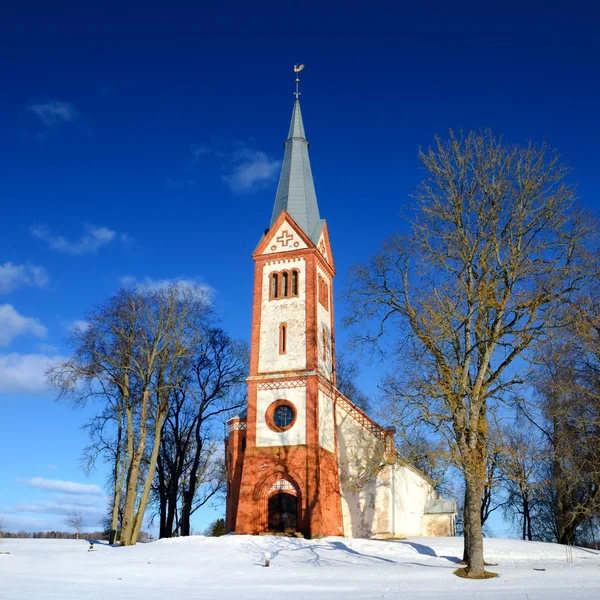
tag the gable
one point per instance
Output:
(284, 236)
(324, 246)
(284, 239)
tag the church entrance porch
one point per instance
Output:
(283, 513)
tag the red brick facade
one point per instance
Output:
(307, 471)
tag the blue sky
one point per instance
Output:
(143, 143)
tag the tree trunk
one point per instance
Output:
(127, 537)
(139, 517)
(189, 493)
(119, 480)
(474, 538)
(465, 558)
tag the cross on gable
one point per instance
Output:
(285, 238)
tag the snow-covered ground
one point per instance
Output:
(232, 567)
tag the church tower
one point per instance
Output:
(281, 456)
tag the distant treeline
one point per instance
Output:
(54, 535)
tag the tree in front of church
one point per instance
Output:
(496, 245)
(136, 350)
(190, 469)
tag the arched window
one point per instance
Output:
(244, 444)
(284, 284)
(282, 338)
(285, 291)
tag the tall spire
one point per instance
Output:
(296, 190)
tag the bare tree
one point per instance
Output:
(521, 464)
(135, 352)
(568, 389)
(2, 526)
(191, 464)
(495, 246)
(74, 520)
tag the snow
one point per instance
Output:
(329, 568)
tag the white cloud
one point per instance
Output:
(66, 487)
(78, 325)
(89, 243)
(159, 284)
(246, 169)
(47, 349)
(15, 522)
(24, 373)
(14, 276)
(54, 112)
(50, 507)
(252, 170)
(13, 324)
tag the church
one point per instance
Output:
(302, 458)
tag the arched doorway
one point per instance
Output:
(283, 507)
(283, 512)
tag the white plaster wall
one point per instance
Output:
(326, 422)
(409, 493)
(364, 487)
(377, 500)
(291, 311)
(294, 436)
(324, 322)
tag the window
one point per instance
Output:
(323, 292)
(282, 338)
(281, 415)
(284, 284)
(243, 444)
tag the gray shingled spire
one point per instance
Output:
(296, 190)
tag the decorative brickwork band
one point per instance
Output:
(238, 425)
(360, 417)
(281, 385)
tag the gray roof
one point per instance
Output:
(440, 506)
(296, 190)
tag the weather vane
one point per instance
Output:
(297, 69)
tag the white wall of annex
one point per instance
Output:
(409, 494)
(364, 487)
(294, 436)
(377, 499)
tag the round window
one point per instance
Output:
(281, 415)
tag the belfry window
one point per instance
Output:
(274, 285)
(284, 284)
